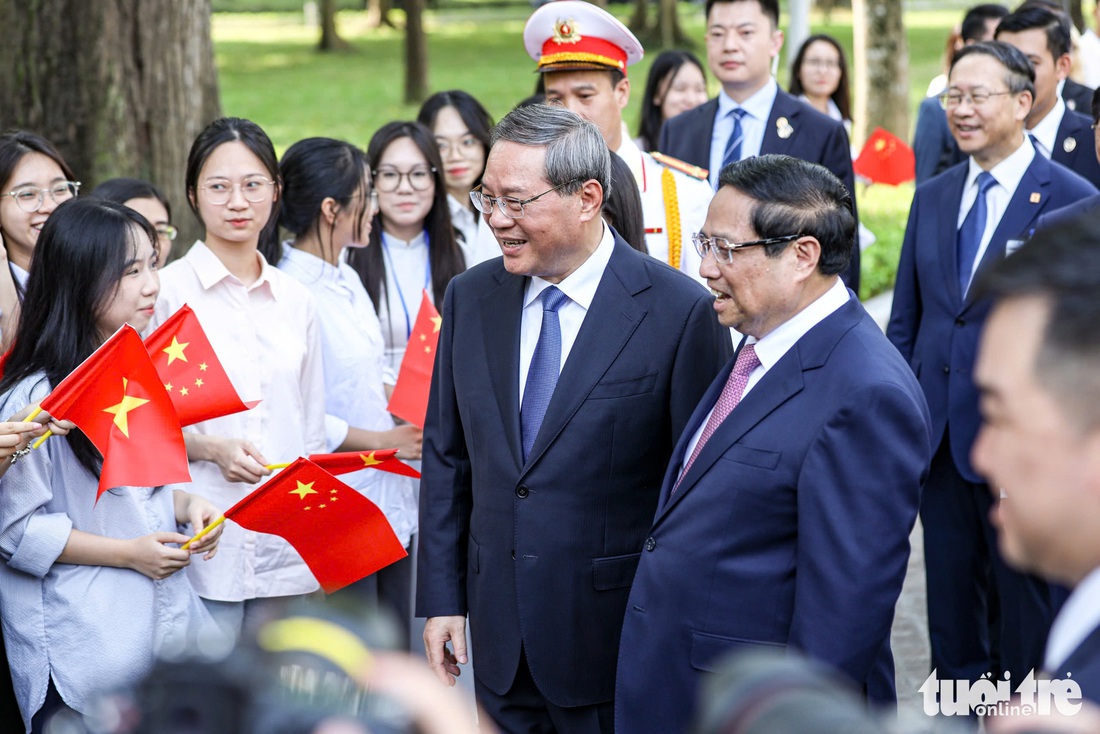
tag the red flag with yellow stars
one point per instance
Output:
(117, 399)
(349, 461)
(340, 534)
(190, 371)
(410, 395)
(886, 158)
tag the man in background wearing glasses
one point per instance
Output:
(565, 372)
(961, 223)
(785, 514)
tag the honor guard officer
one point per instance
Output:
(583, 53)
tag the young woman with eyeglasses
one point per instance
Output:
(412, 243)
(328, 204)
(262, 325)
(34, 179)
(147, 200)
(819, 77)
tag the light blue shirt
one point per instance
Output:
(354, 356)
(90, 628)
(758, 108)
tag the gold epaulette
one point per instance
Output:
(678, 165)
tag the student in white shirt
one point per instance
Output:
(412, 243)
(327, 206)
(34, 179)
(461, 127)
(262, 326)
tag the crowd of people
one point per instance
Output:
(626, 476)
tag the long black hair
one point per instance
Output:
(14, 147)
(842, 96)
(227, 130)
(664, 69)
(473, 114)
(444, 255)
(123, 190)
(313, 170)
(83, 251)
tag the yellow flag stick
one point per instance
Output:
(203, 532)
(42, 439)
(273, 467)
(34, 414)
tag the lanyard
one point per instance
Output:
(397, 281)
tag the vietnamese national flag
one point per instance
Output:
(190, 371)
(349, 461)
(117, 399)
(340, 534)
(410, 395)
(886, 158)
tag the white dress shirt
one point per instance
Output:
(1046, 131)
(1008, 174)
(465, 223)
(20, 274)
(753, 125)
(779, 341)
(1079, 616)
(408, 274)
(267, 338)
(355, 374)
(580, 288)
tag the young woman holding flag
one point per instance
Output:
(90, 590)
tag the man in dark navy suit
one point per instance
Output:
(1038, 372)
(1093, 202)
(785, 515)
(960, 224)
(538, 489)
(1060, 134)
(752, 115)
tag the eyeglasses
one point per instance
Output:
(168, 232)
(30, 198)
(822, 64)
(467, 146)
(507, 205)
(254, 190)
(388, 180)
(951, 100)
(723, 249)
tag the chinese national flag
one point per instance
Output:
(190, 371)
(885, 158)
(349, 461)
(410, 395)
(117, 399)
(341, 535)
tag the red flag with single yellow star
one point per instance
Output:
(886, 158)
(410, 395)
(340, 534)
(117, 399)
(349, 461)
(191, 372)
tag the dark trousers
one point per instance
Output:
(524, 710)
(983, 617)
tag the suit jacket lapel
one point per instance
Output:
(784, 106)
(501, 310)
(946, 217)
(699, 145)
(608, 326)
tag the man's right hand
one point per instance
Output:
(438, 631)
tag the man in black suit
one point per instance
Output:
(752, 115)
(1039, 443)
(1090, 204)
(1060, 134)
(538, 490)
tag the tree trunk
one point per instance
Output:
(668, 26)
(1077, 15)
(330, 39)
(881, 68)
(121, 88)
(639, 19)
(416, 53)
(378, 14)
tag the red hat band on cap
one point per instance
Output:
(568, 46)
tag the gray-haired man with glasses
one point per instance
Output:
(565, 372)
(785, 514)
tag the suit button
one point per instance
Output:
(650, 544)
(522, 492)
(947, 369)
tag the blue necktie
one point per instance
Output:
(972, 229)
(542, 376)
(733, 144)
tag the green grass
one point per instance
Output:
(270, 72)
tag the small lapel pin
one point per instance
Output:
(1069, 145)
(783, 128)
(1035, 196)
